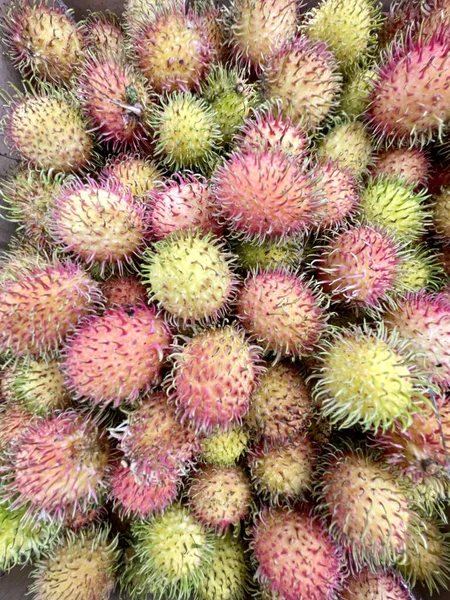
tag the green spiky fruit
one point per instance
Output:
(47, 130)
(356, 92)
(81, 565)
(189, 275)
(227, 576)
(224, 448)
(136, 173)
(172, 552)
(381, 585)
(346, 25)
(395, 206)
(136, 12)
(269, 254)
(368, 376)
(350, 145)
(231, 97)
(441, 214)
(421, 270)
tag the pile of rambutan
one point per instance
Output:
(225, 308)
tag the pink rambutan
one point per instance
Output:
(339, 188)
(283, 312)
(14, 420)
(184, 202)
(213, 377)
(214, 33)
(411, 165)
(115, 356)
(103, 33)
(263, 192)
(124, 290)
(295, 555)
(382, 585)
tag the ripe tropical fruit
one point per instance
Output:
(271, 254)
(411, 165)
(138, 174)
(124, 290)
(15, 420)
(102, 33)
(349, 144)
(224, 448)
(380, 585)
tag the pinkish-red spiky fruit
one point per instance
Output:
(41, 303)
(115, 356)
(103, 34)
(14, 421)
(275, 132)
(99, 221)
(411, 97)
(220, 497)
(154, 441)
(185, 202)
(360, 266)
(303, 77)
(79, 519)
(400, 12)
(213, 378)
(124, 290)
(283, 312)
(296, 557)
(424, 320)
(60, 466)
(382, 585)
(338, 188)
(140, 498)
(116, 99)
(265, 193)
(172, 49)
(257, 28)
(411, 165)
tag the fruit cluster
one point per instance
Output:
(225, 315)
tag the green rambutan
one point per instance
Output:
(102, 33)
(381, 585)
(303, 77)
(189, 274)
(43, 39)
(441, 214)
(281, 405)
(187, 133)
(349, 144)
(82, 564)
(138, 12)
(356, 92)
(283, 312)
(124, 290)
(213, 377)
(138, 174)
(114, 357)
(269, 254)
(420, 271)
(224, 448)
(411, 165)
(296, 556)
(368, 377)
(220, 497)
(99, 222)
(47, 130)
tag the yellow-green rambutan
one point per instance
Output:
(138, 174)
(356, 91)
(349, 144)
(269, 254)
(224, 448)
(102, 33)
(441, 215)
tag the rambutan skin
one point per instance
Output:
(123, 290)
(138, 174)
(339, 188)
(114, 357)
(366, 585)
(411, 165)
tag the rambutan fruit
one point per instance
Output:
(296, 556)
(154, 441)
(48, 131)
(189, 275)
(283, 312)
(441, 215)
(187, 133)
(227, 576)
(21, 540)
(116, 99)
(172, 552)
(98, 221)
(60, 465)
(339, 188)
(356, 92)
(265, 193)
(172, 49)
(137, 12)
(258, 28)
(303, 77)
(424, 320)
(444, 259)
(183, 202)
(411, 165)
(430, 494)
(210, 14)
(124, 290)
(366, 507)
(231, 97)
(82, 564)
(282, 473)
(112, 358)
(14, 421)
(410, 102)
(139, 498)
(213, 377)
(43, 39)
(381, 585)
(401, 12)
(420, 271)
(269, 254)
(396, 207)
(41, 303)
(219, 497)
(103, 33)
(348, 27)
(349, 144)
(359, 266)
(438, 18)
(368, 376)
(224, 448)
(270, 130)
(138, 174)
(281, 405)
